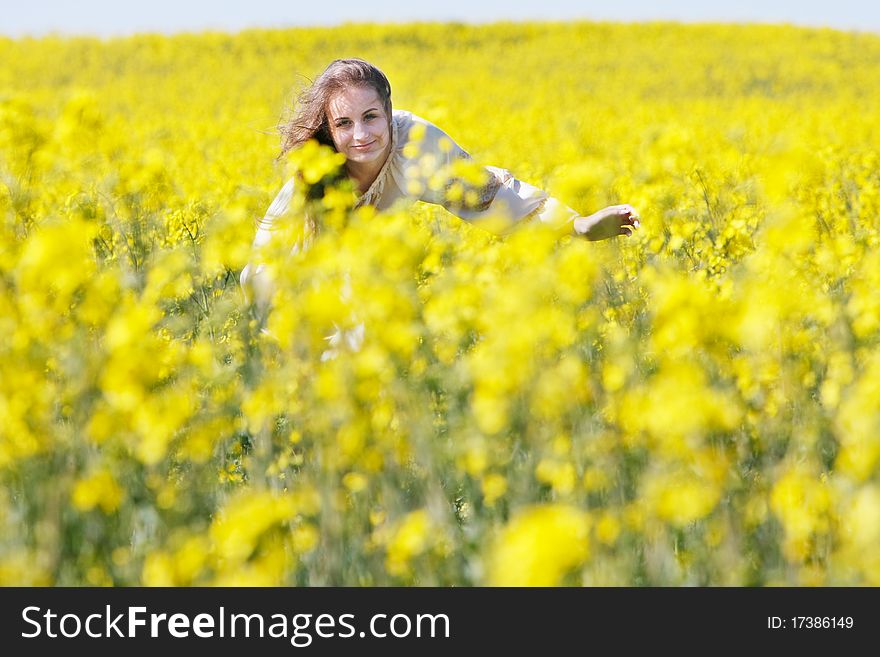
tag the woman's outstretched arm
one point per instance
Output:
(503, 195)
(516, 199)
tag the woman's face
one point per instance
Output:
(359, 125)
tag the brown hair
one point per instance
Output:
(309, 121)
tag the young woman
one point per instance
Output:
(392, 155)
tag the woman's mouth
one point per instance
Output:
(362, 147)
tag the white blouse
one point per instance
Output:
(419, 152)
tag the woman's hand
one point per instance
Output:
(609, 222)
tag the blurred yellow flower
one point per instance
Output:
(539, 546)
(801, 501)
(493, 486)
(409, 538)
(98, 489)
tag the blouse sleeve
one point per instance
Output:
(500, 194)
(255, 278)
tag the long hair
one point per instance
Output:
(309, 120)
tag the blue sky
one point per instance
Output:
(116, 17)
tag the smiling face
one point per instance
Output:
(359, 125)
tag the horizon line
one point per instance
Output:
(109, 35)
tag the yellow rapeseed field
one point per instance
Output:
(698, 404)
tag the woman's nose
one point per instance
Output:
(360, 131)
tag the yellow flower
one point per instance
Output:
(493, 486)
(98, 489)
(801, 501)
(355, 482)
(539, 546)
(561, 476)
(158, 570)
(408, 539)
(237, 531)
(607, 528)
(681, 493)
